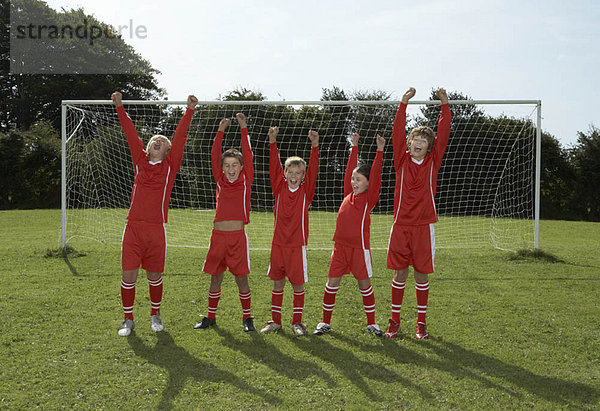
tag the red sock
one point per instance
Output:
(276, 301)
(298, 306)
(397, 297)
(369, 304)
(422, 297)
(156, 292)
(245, 300)
(329, 302)
(128, 298)
(213, 302)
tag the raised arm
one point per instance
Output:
(217, 150)
(275, 168)
(312, 171)
(399, 130)
(136, 146)
(180, 136)
(375, 175)
(246, 148)
(352, 163)
(443, 130)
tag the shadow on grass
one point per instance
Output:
(458, 361)
(559, 391)
(402, 356)
(71, 268)
(268, 354)
(537, 255)
(357, 371)
(180, 366)
(65, 254)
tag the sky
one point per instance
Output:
(488, 50)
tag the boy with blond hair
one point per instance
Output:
(294, 190)
(145, 238)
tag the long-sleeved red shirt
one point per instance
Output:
(153, 183)
(416, 183)
(353, 224)
(291, 207)
(233, 199)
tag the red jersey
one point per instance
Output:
(291, 207)
(416, 182)
(353, 224)
(153, 182)
(233, 199)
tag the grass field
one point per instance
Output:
(504, 333)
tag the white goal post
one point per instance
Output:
(488, 191)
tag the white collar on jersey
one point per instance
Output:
(417, 161)
(293, 190)
(153, 163)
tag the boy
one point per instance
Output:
(352, 249)
(144, 238)
(412, 238)
(290, 235)
(233, 172)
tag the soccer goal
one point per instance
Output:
(487, 193)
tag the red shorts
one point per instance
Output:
(228, 249)
(288, 262)
(145, 245)
(412, 245)
(345, 260)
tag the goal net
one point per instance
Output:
(485, 193)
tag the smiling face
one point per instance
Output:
(158, 148)
(419, 147)
(232, 168)
(420, 142)
(294, 174)
(360, 183)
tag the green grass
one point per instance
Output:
(505, 333)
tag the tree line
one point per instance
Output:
(30, 124)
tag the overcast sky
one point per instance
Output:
(494, 49)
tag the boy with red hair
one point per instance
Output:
(412, 238)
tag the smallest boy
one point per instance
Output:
(294, 190)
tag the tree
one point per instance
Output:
(557, 181)
(586, 161)
(28, 98)
(243, 94)
(368, 121)
(31, 162)
(460, 113)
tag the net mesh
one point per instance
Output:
(485, 185)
